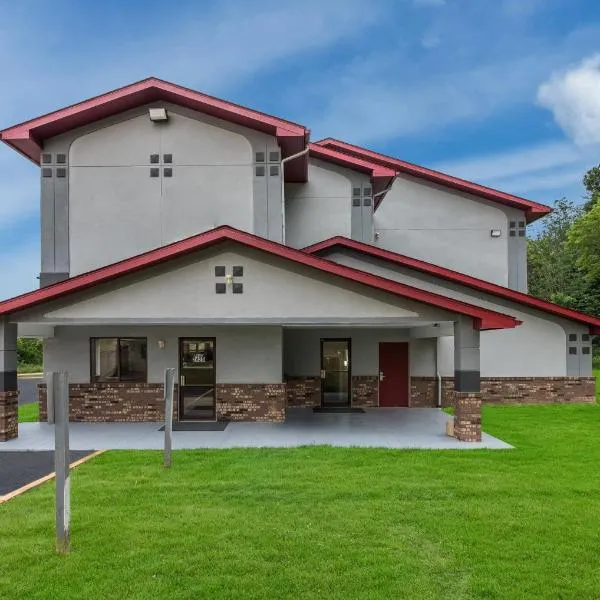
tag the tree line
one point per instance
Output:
(563, 261)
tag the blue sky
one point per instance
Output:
(503, 92)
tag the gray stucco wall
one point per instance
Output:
(453, 230)
(274, 291)
(251, 354)
(301, 350)
(108, 207)
(323, 207)
(537, 348)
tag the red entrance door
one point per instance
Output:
(394, 379)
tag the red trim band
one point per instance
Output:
(483, 318)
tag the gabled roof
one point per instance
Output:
(381, 177)
(533, 210)
(483, 318)
(27, 138)
(456, 277)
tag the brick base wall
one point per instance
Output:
(144, 402)
(251, 402)
(365, 391)
(9, 415)
(303, 392)
(113, 402)
(467, 417)
(509, 390)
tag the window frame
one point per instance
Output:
(98, 379)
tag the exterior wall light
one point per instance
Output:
(228, 279)
(495, 233)
(161, 344)
(158, 114)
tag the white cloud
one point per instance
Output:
(573, 96)
(513, 162)
(542, 172)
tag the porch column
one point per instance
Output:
(9, 394)
(467, 381)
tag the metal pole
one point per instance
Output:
(60, 389)
(169, 390)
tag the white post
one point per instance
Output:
(169, 391)
(60, 391)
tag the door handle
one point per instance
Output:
(381, 376)
(182, 380)
(322, 373)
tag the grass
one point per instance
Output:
(597, 376)
(29, 413)
(326, 522)
(23, 368)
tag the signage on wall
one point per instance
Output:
(199, 357)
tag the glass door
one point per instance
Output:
(197, 379)
(335, 372)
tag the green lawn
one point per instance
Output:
(326, 523)
(29, 413)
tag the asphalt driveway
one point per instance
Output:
(20, 468)
(28, 389)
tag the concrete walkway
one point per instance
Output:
(379, 428)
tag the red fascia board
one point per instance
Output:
(533, 210)
(381, 176)
(483, 318)
(27, 137)
(456, 277)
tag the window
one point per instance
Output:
(119, 359)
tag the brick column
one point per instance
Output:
(9, 408)
(9, 415)
(467, 417)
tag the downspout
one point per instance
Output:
(387, 189)
(437, 372)
(283, 161)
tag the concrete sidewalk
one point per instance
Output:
(378, 428)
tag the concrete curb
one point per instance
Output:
(46, 478)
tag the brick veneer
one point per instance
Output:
(467, 417)
(251, 402)
(509, 390)
(303, 392)
(139, 402)
(9, 415)
(113, 402)
(365, 391)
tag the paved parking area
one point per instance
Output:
(28, 392)
(20, 468)
(379, 428)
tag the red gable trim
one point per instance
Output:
(27, 138)
(381, 177)
(533, 210)
(455, 276)
(483, 318)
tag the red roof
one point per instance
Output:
(381, 177)
(27, 138)
(533, 210)
(456, 277)
(483, 318)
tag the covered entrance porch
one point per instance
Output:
(414, 428)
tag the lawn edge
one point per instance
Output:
(45, 478)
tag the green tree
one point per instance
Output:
(591, 181)
(553, 270)
(29, 351)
